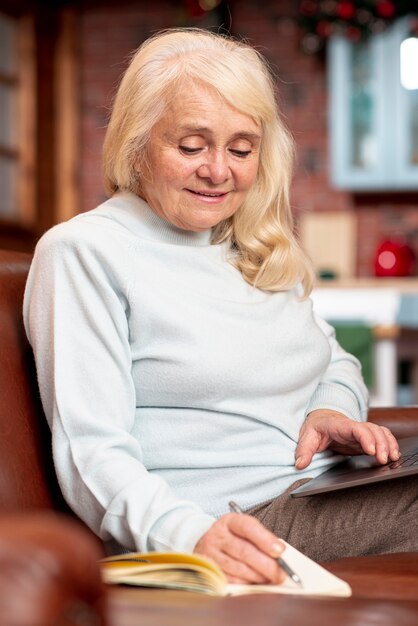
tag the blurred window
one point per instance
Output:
(9, 84)
(16, 119)
(362, 107)
(409, 81)
(374, 110)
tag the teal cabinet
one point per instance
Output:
(373, 110)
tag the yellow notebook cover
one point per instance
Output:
(192, 572)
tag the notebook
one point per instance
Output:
(193, 572)
(363, 470)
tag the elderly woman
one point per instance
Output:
(180, 364)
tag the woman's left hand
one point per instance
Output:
(325, 429)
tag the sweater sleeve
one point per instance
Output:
(76, 310)
(341, 387)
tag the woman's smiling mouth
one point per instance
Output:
(209, 194)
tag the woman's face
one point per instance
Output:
(203, 157)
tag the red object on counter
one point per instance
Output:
(394, 257)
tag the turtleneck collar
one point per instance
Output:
(147, 224)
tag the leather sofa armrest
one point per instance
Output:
(49, 572)
(402, 421)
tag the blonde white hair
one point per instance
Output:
(261, 231)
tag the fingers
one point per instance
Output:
(393, 445)
(251, 550)
(255, 534)
(310, 442)
(239, 570)
(328, 429)
(303, 459)
(378, 441)
(305, 450)
(244, 549)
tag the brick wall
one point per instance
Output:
(109, 33)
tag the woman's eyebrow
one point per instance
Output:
(194, 129)
(201, 129)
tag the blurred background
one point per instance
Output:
(347, 75)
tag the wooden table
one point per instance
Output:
(385, 593)
(133, 607)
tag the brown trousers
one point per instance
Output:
(376, 519)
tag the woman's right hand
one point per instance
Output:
(244, 549)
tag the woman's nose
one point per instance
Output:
(215, 168)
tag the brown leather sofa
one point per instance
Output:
(33, 513)
(48, 559)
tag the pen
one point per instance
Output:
(234, 508)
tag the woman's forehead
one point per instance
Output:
(198, 106)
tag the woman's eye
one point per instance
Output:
(241, 153)
(188, 150)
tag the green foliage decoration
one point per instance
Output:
(354, 19)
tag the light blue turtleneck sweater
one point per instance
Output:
(171, 385)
